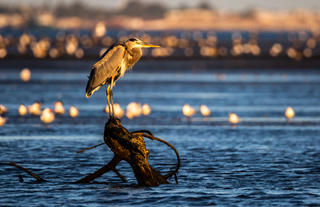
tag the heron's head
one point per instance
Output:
(137, 43)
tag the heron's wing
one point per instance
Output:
(105, 68)
(109, 61)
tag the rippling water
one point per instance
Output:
(264, 160)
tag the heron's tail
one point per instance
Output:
(89, 93)
(91, 86)
(89, 89)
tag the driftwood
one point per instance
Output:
(37, 177)
(131, 148)
(128, 146)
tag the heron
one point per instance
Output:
(112, 65)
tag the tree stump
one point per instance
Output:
(130, 146)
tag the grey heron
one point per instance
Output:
(112, 65)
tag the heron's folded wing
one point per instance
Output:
(107, 66)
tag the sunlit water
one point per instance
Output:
(264, 160)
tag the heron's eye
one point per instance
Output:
(133, 40)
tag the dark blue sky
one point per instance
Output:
(220, 4)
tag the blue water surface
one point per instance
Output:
(264, 160)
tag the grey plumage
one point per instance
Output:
(107, 67)
(113, 64)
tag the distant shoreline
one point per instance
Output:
(187, 19)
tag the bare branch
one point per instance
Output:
(38, 178)
(81, 151)
(110, 166)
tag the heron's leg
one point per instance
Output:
(111, 96)
(108, 99)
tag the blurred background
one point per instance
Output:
(246, 29)
(235, 87)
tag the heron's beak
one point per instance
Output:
(149, 45)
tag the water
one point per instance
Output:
(262, 161)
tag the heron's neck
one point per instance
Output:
(134, 55)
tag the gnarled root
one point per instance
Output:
(170, 173)
(110, 166)
(128, 146)
(131, 148)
